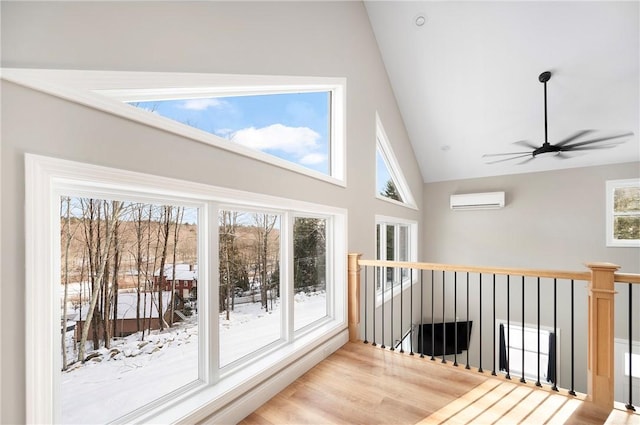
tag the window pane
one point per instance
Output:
(626, 199)
(390, 252)
(403, 243)
(249, 252)
(626, 227)
(128, 305)
(385, 185)
(309, 270)
(291, 126)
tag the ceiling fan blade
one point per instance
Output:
(573, 137)
(527, 160)
(526, 144)
(510, 159)
(601, 139)
(591, 148)
(503, 154)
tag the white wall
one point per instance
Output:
(302, 38)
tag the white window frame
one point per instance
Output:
(383, 222)
(384, 147)
(518, 352)
(47, 178)
(612, 185)
(109, 90)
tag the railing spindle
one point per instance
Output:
(572, 391)
(468, 342)
(508, 330)
(421, 314)
(401, 313)
(630, 404)
(375, 291)
(365, 306)
(538, 384)
(433, 335)
(411, 311)
(480, 328)
(392, 302)
(455, 319)
(383, 285)
(444, 328)
(522, 377)
(493, 371)
(555, 336)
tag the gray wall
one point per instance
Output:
(302, 38)
(552, 220)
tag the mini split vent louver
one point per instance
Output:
(477, 201)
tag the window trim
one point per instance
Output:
(611, 186)
(107, 90)
(388, 156)
(45, 178)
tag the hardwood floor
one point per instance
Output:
(360, 384)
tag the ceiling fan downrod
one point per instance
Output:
(543, 78)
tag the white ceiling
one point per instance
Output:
(467, 81)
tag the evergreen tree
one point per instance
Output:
(390, 191)
(309, 250)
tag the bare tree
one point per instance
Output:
(264, 225)
(163, 231)
(99, 270)
(227, 238)
(176, 233)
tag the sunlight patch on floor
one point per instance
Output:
(499, 402)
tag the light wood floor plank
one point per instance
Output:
(361, 384)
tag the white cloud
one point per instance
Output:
(313, 159)
(293, 140)
(223, 132)
(202, 104)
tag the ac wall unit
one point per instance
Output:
(477, 201)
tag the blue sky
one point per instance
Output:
(291, 126)
(382, 173)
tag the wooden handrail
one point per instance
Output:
(627, 278)
(557, 274)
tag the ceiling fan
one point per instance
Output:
(560, 148)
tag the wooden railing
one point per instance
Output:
(601, 307)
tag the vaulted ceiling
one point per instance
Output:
(466, 81)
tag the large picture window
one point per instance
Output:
(126, 318)
(130, 315)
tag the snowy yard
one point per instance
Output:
(134, 373)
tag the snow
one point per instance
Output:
(127, 302)
(134, 373)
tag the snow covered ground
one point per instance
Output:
(134, 373)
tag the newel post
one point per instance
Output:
(354, 296)
(601, 334)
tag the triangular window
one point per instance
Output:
(390, 182)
